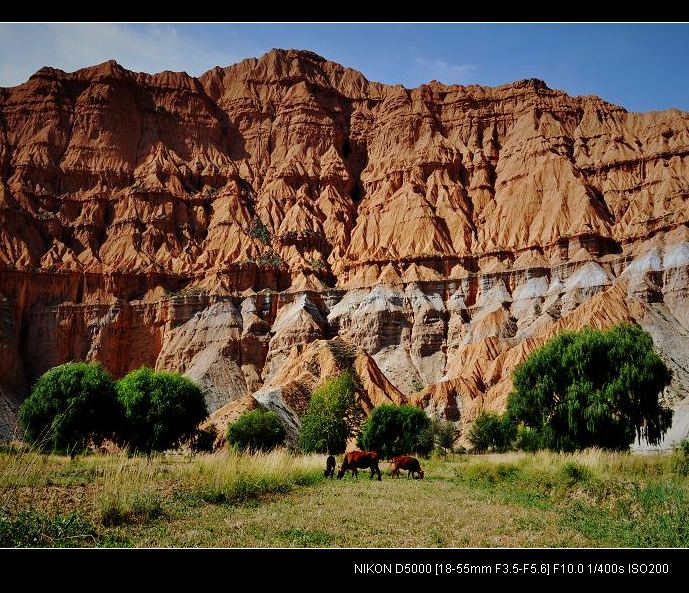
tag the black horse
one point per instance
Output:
(330, 467)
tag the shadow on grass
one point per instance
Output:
(246, 489)
(306, 539)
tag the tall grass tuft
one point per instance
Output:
(133, 491)
(238, 477)
(680, 461)
(130, 492)
(575, 473)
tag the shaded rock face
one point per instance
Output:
(210, 348)
(219, 225)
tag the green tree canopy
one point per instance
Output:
(257, 430)
(161, 409)
(395, 430)
(70, 405)
(333, 416)
(593, 389)
(445, 434)
(492, 432)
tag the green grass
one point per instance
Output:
(277, 499)
(611, 499)
(30, 529)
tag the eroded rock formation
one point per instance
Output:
(219, 225)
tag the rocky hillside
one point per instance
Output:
(218, 225)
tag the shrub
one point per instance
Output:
(70, 405)
(445, 434)
(259, 231)
(593, 389)
(333, 416)
(425, 442)
(161, 409)
(416, 386)
(316, 264)
(492, 432)
(575, 473)
(271, 258)
(528, 439)
(134, 508)
(343, 352)
(490, 474)
(395, 430)
(257, 430)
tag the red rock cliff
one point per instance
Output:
(213, 225)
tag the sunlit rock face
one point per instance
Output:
(220, 225)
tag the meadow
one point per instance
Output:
(230, 499)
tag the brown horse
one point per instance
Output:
(355, 460)
(330, 467)
(409, 463)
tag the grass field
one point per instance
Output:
(588, 499)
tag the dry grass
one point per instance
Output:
(603, 462)
(117, 491)
(591, 498)
(361, 513)
(133, 489)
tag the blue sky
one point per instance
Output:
(643, 67)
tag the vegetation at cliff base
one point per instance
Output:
(256, 430)
(445, 434)
(78, 404)
(584, 395)
(397, 430)
(592, 389)
(161, 409)
(333, 416)
(69, 406)
(492, 432)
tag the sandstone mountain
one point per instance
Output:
(288, 392)
(220, 225)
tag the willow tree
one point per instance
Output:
(397, 430)
(593, 389)
(161, 409)
(71, 405)
(333, 416)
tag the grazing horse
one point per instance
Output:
(355, 460)
(330, 467)
(408, 463)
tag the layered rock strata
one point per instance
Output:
(219, 225)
